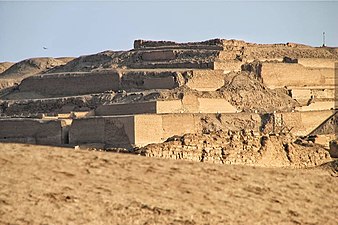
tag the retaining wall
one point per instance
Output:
(206, 80)
(125, 109)
(31, 131)
(71, 84)
(189, 104)
(317, 62)
(146, 80)
(278, 75)
(301, 123)
(140, 130)
(112, 131)
(315, 106)
(316, 93)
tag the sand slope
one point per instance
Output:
(46, 185)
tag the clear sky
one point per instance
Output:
(74, 28)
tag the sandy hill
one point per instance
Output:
(11, 73)
(45, 185)
(32, 66)
(4, 66)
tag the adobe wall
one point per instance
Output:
(189, 104)
(177, 124)
(326, 93)
(328, 127)
(205, 80)
(317, 62)
(120, 131)
(301, 123)
(146, 80)
(147, 129)
(316, 93)
(87, 130)
(71, 84)
(301, 94)
(215, 105)
(128, 108)
(159, 55)
(52, 85)
(160, 83)
(315, 106)
(31, 131)
(278, 75)
(202, 80)
(311, 120)
(172, 65)
(140, 130)
(172, 106)
(228, 65)
(112, 131)
(48, 105)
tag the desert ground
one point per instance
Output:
(52, 185)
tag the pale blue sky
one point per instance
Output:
(73, 28)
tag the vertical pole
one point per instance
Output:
(323, 39)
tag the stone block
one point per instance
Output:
(164, 55)
(31, 131)
(51, 85)
(205, 80)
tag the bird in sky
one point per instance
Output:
(45, 48)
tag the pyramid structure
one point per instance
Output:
(161, 88)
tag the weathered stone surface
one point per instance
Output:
(161, 89)
(241, 147)
(31, 131)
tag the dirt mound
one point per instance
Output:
(87, 63)
(239, 147)
(48, 185)
(30, 67)
(4, 66)
(26, 68)
(247, 93)
(149, 54)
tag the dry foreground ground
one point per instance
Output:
(47, 185)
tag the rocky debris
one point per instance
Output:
(87, 63)
(25, 107)
(289, 60)
(248, 94)
(239, 147)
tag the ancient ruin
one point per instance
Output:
(219, 100)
